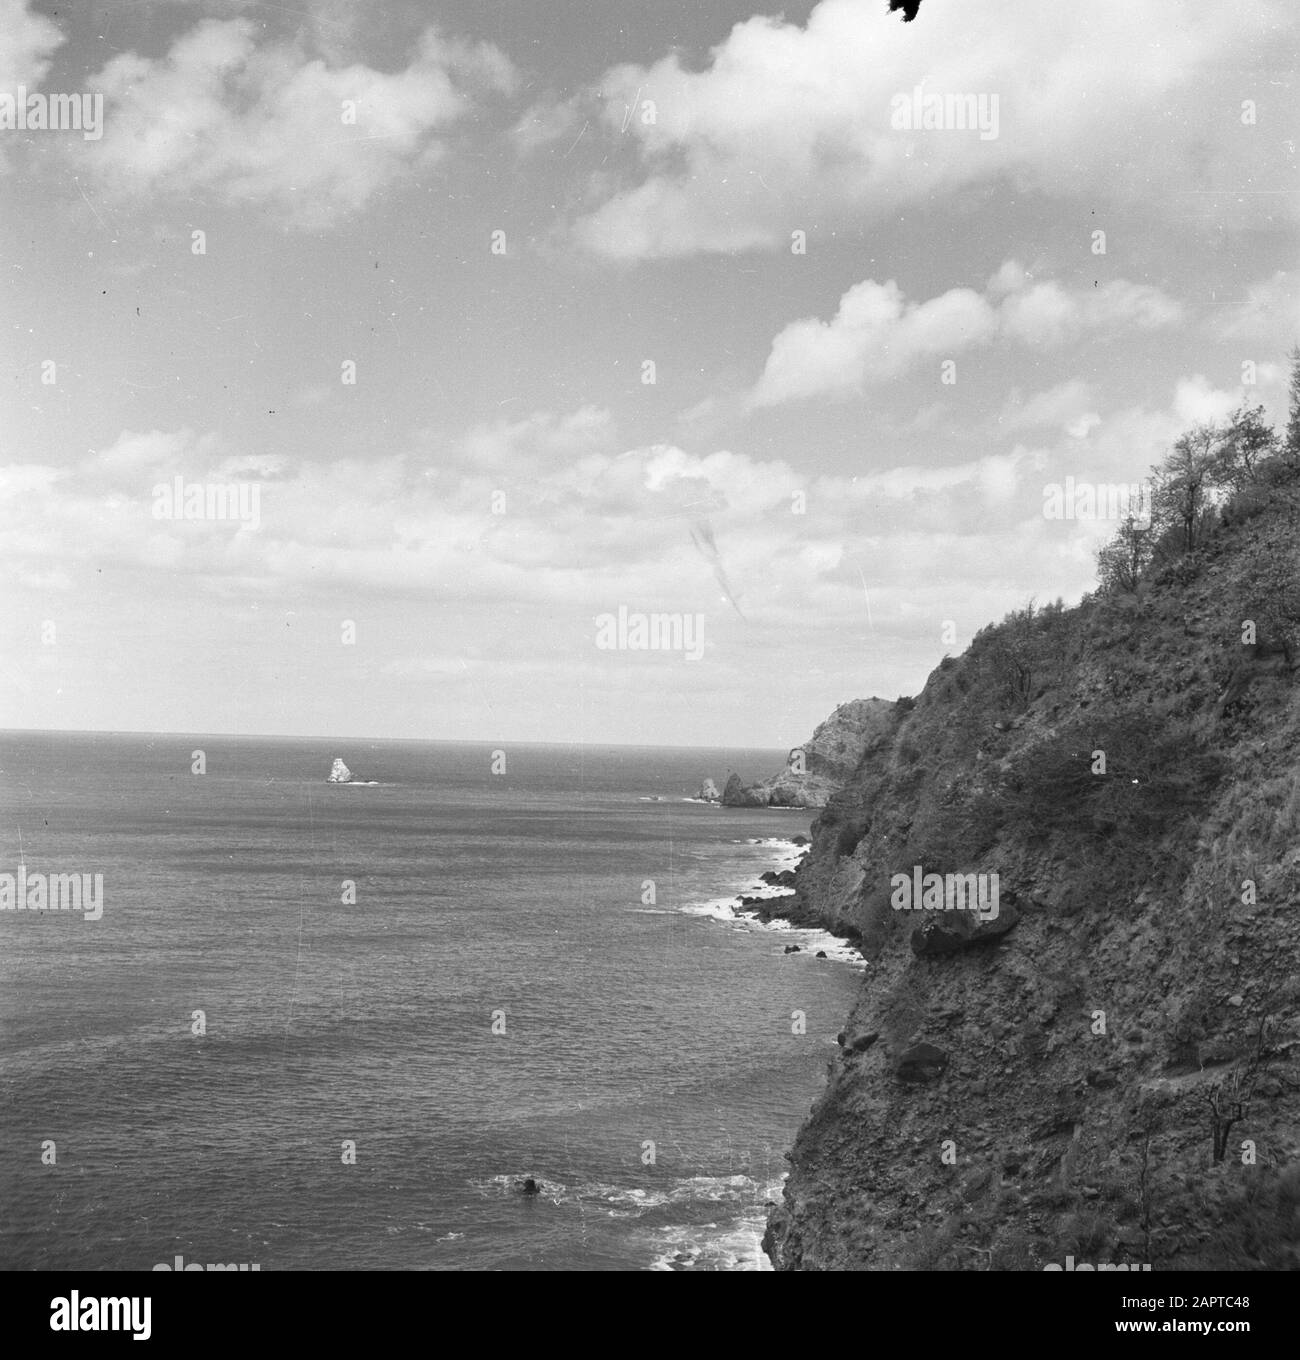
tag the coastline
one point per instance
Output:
(761, 907)
(766, 906)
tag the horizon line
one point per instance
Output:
(290, 736)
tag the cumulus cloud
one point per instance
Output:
(263, 123)
(1067, 406)
(1197, 402)
(886, 553)
(788, 125)
(28, 42)
(1048, 314)
(876, 335)
(507, 445)
(1270, 312)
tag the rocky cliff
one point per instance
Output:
(822, 765)
(1111, 1068)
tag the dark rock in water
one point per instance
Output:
(737, 795)
(530, 1187)
(821, 953)
(920, 1062)
(785, 878)
(799, 840)
(839, 1038)
(864, 1042)
(792, 949)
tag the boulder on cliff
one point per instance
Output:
(920, 1062)
(948, 932)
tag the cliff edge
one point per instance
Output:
(1109, 1068)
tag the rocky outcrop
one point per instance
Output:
(824, 764)
(737, 795)
(339, 773)
(1110, 1068)
(709, 792)
(779, 878)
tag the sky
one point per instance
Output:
(519, 323)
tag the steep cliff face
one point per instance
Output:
(822, 766)
(1055, 1082)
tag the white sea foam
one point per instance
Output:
(711, 1247)
(735, 1244)
(635, 1201)
(810, 940)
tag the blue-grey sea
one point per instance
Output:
(651, 1073)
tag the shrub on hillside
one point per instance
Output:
(1258, 1225)
(950, 834)
(1112, 772)
(1270, 598)
(1023, 653)
(849, 836)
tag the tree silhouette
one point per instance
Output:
(1292, 442)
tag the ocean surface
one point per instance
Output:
(650, 1074)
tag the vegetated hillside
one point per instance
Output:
(1051, 1084)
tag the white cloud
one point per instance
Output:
(27, 44)
(1270, 312)
(261, 122)
(507, 445)
(548, 122)
(601, 525)
(1067, 406)
(1196, 402)
(1048, 314)
(875, 334)
(787, 126)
